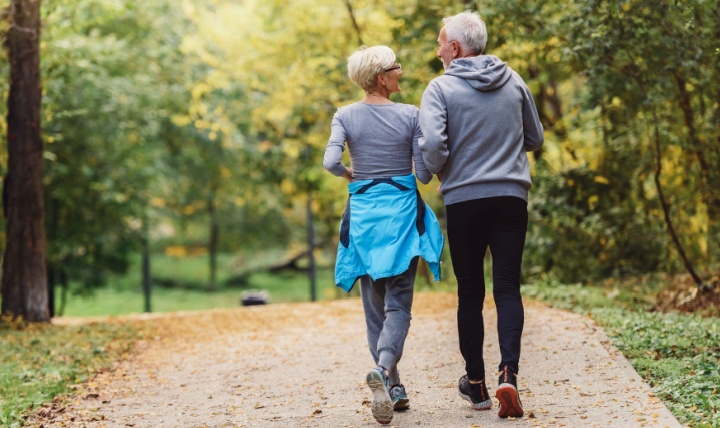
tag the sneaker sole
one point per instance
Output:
(382, 405)
(401, 404)
(485, 405)
(509, 399)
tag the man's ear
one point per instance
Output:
(456, 49)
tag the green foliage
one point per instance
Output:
(40, 362)
(678, 354)
(584, 226)
(161, 119)
(641, 91)
(106, 87)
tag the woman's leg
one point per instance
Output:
(373, 298)
(398, 307)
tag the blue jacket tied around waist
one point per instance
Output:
(385, 225)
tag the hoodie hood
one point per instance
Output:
(483, 72)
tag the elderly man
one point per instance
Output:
(478, 120)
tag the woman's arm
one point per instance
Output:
(334, 150)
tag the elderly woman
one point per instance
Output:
(386, 225)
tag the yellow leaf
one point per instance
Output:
(602, 180)
(176, 251)
(180, 120)
(592, 201)
(288, 187)
(157, 202)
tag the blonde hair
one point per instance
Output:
(366, 64)
(468, 29)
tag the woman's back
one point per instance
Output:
(382, 139)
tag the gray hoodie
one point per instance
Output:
(477, 121)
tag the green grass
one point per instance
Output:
(186, 272)
(189, 279)
(118, 300)
(39, 362)
(678, 354)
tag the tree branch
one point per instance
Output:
(354, 22)
(661, 193)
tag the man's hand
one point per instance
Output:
(348, 175)
(440, 177)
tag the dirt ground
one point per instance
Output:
(303, 365)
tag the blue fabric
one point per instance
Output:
(382, 233)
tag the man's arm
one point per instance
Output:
(433, 123)
(532, 127)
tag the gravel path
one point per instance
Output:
(303, 365)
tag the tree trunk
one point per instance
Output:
(64, 286)
(709, 171)
(146, 278)
(311, 246)
(658, 184)
(51, 290)
(666, 207)
(212, 245)
(24, 281)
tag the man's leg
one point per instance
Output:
(507, 241)
(468, 239)
(506, 244)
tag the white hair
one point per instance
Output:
(468, 29)
(366, 64)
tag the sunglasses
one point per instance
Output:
(397, 67)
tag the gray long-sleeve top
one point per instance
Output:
(477, 121)
(382, 139)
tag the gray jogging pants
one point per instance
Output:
(387, 303)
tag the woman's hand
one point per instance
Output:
(440, 177)
(348, 175)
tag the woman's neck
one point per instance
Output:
(376, 97)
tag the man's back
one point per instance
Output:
(490, 123)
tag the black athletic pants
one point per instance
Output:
(499, 223)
